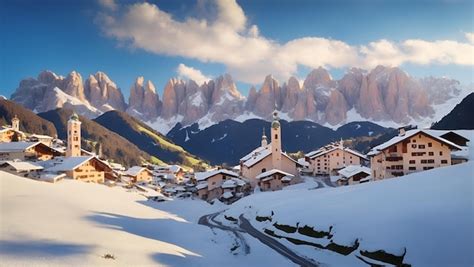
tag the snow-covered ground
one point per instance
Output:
(76, 223)
(429, 213)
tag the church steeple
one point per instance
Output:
(16, 123)
(264, 139)
(73, 148)
(276, 141)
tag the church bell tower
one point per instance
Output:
(73, 136)
(276, 141)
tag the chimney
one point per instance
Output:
(401, 131)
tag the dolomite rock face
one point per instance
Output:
(336, 108)
(104, 94)
(73, 86)
(381, 94)
(268, 98)
(144, 102)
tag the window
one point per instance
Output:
(392, 149)
(431, 153)
(421, 146)
(443, 161)
(427, 168)
(441, 153)
(412, 168)
(337, 154)
(430, 144)
(276, 136)
(431, 161)
(413, 145)
(414, 140)
(264, 170)
(412, 161)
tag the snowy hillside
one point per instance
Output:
(75, 223)
(430, 214)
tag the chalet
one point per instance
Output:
(171, 174)
(410, 151)
(233, 189)
(353, 174)
(274, 180)
(458, 137)
(27, 151)
(333, 157)
(12, 133)
(84, 168)
(138, 174)
(45, 139)
(209, 184)
(268, 157)
(22, 168)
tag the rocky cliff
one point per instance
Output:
(384, 94)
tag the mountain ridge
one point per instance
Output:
(386, 95)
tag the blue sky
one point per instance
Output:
(88, 36)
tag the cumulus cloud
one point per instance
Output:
(192, 73)
(228, 38)
(108, 4)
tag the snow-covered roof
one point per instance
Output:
(66, 163)
(200, 176)
(40, 136)
(322, 151)
(271, 172)
(303, 162)
(259, 154)
(255, 151)
(201, 185)
(227, 195)
(352, 170)
(16, 146)
(257, 157)
(174, 168)
(23, 165)
(397, 139)
(135, 170)
(467, 134)
(231, 183)
(358, 154)
(287, 178)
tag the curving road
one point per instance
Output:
(245, 227)
(210, 221)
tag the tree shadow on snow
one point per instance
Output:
(172, 236)
(41, 248)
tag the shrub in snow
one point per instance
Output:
(341, 249)
(309, 231)
(381, 255)
(108, 256)
(285, 228)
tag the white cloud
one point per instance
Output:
(192, 73)
(227, 38)
(470, 36)
(108, 4)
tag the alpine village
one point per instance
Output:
(331, 150)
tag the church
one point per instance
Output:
(268, 157)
